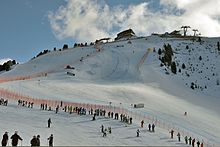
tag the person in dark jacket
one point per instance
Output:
(49, 122)
(178, 135)
(153, 127)
(198, 143)
(138, 132)
(15, 138)
(171, 133)
(149, 127)
(38, 140)
(5, 139)
(50, 140)
(34, 141)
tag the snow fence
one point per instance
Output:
(12, 95)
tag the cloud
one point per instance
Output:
(89, 20)
(2, 61)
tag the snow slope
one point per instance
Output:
(126, 73)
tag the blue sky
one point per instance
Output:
(25, 29)
(30, 26)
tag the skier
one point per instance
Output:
(190, 140)
(142, 123)
(149, 127)
(178, 135)
(198, 143)
(38, 140)
(138, 132)
(153, 127)
(50, 140)
(171, 133)
(34, 141)
(5, 139)
(15, 138)
(186, 139)
(49, 122)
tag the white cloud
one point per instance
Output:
(2, 61)
(88, 20)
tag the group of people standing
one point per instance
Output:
(3, 102)
(151, 128)
(25, 103)
(14, 139)
(35, 141)
(188, 140)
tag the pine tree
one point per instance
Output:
(173, 67)
(159, 51)
(168, 54)
(183, 66)
(218, 44)
(65, 46)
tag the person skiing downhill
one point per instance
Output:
(5, 139)
(15, 139)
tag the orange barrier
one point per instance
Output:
(139, 116)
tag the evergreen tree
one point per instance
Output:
(173, 67)
(218, 45)
(65, 46)
(168, 54)
(183, 66)
(6, 66)
(159, 51)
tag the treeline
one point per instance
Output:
(65, 46)
(7, 65)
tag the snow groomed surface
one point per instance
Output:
(126, 73)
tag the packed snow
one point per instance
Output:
(122, 73)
